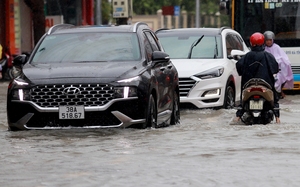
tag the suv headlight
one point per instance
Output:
(125, 92)
(212, 73)
(21, 94)
(19, 90)
(129, 80)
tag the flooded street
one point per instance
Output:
(204, 150)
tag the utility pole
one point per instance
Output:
(198, 19)
(98, 13)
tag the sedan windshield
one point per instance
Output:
(88, 47)
(194, 47)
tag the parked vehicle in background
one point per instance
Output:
(5, 64)
(207, 72)
(280, 17)
(94, 77)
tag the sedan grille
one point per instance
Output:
(185, 85)
(50, 96)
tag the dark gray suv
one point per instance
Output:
(94, 77)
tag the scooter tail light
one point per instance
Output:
(256, 96)
(259, 89)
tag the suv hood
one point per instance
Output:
(184, 69)
(81, 70)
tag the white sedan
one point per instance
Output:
(207, 72)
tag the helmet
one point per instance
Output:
(257, 39)
(269, 35)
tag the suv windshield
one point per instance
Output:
(87, 47)
(208, 47)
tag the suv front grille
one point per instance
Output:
(185, 85)
(50, 96)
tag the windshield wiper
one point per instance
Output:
(195, 43)
(43, 49)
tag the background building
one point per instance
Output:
(16, 31)
(16, 25)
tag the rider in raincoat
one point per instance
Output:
(258, 64)
(285, 77)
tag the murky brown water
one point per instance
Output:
(204, 150)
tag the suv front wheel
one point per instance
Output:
(151, 118)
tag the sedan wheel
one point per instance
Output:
(229, 99)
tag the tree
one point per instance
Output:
(106, 11)
(38, 18)
(150, 7)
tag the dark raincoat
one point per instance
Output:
(258, 64)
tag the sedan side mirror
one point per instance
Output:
(237, 54)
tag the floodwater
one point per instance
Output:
(206, 149)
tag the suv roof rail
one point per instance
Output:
(161, 29)
(223, 28)
(137, 24)
(58, 27)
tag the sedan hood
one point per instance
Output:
(184, 69)
(81, 70)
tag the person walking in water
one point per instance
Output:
(285, 77)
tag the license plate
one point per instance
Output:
(256, 105)
(71, 112)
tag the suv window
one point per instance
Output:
(233, 42)
(152, 41)
(148, 48)
(80, 47)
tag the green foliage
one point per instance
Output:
(106, 11)
(147, 7)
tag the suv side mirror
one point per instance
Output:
(159, 56)
(20, 60)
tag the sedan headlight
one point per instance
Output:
(212, 73)
(125, 92)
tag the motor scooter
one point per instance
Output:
(6, 65)
(257, 102)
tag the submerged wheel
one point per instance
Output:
(175, 112)
(151, 118)
(229, 99)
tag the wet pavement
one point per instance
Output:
(206, 149)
